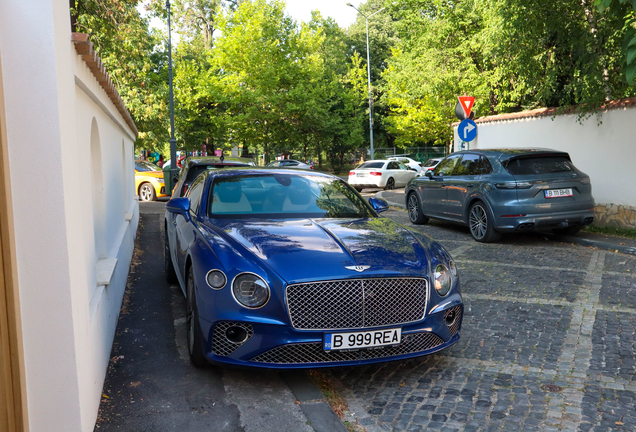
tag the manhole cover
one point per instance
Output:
(552, 388)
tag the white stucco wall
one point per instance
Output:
(605, 151)
(68, 322)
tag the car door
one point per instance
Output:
(185, 224)
(405, 174)
(460, 183)
(434, 189)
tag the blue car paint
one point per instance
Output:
(279, 250)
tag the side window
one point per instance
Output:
(393, 166)
(470, 165)
(484, 165)
(195, 195)
(402, 167)
(447, 166)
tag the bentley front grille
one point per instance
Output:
(314, 352)
(221, 344)
(356, 303)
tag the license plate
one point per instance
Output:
(362, 339)
(361, 175)
(558, 193)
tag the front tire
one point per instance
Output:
(147, 192)
(414, 207)
(193, 328)
(481, 224)
(390, 184)
(567, 231)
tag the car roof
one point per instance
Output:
(214, 160)
(247, 171)
(504, 154)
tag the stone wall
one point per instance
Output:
(615, 215)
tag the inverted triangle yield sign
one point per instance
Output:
(467, 103)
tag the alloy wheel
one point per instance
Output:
(478, 221)
(414, 208)
(390, 184)
(145, 193)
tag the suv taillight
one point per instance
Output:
(513, 185)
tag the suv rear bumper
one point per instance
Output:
(545, 221)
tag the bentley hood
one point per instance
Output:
(316, 249)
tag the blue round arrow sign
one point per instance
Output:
(467, 130)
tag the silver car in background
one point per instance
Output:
(504, 190)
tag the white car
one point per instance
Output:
(430, 165)
(410, 163)
(385, 174)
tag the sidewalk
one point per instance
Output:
(611, 243)
(151, 385)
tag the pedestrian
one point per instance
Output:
(160, 161)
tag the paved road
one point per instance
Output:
(538, 313)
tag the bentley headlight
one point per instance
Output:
(250, 290)
(442, 280)
(453, 268)
(216, 279)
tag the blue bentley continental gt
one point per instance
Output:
(287, 269)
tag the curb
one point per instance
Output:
(313, 403)
(629, 250)
(594, 243)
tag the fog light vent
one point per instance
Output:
(229, 336)
(452, 318)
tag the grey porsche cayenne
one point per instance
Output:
(504, 190)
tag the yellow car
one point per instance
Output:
(149, 181)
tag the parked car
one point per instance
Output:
(507, 190)
(194, 166)
(286, 269)
(289, 163)
(410, 163)
(385, 174)
(430, 164)
(149, 182)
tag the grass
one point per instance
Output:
(613, 231)
(337, 402)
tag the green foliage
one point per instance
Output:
(625, 11)
(134, 59)
(511, 55)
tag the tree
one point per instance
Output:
(625, 12)
(134, 59)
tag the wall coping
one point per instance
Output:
(549, 112)
(85, 48)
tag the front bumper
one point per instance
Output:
(545, 221)
(277, 346)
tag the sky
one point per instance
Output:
(300, 10)
(344, 15)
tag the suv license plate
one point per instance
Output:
(558, 193)
(363, 339)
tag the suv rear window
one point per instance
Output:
(539, 165)
(371, 165)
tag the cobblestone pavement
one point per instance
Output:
(548, 343)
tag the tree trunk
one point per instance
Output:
(599, 49)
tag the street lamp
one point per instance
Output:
(369, 76)
(174, 169)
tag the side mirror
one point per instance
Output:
(379, 205)
(178, 205)
(429, 174)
